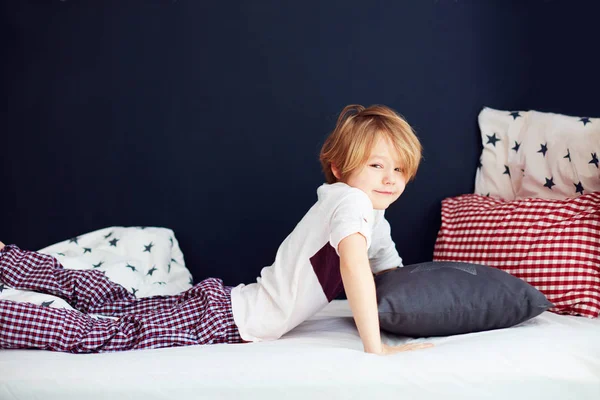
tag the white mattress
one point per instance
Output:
(549, 357)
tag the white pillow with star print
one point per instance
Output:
(557, 156)
(493, 176)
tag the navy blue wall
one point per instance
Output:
(207, 117)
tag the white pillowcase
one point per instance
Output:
(492, 177)
(534, 154)
(146, 261)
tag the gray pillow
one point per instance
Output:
(448, 298)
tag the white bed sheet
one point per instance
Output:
(549, 357)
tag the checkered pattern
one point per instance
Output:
(554, 245)
(200, 315)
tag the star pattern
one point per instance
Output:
(580, 172)
(594, 160)
(114, 242)
(148, 247)
(107, 236)
(492, 139)
(151, 270)
(74, 240)
(98, 265)
(2, 287)
(515, 115)
(47, 303)
(549, 183)
(87, 250)
(131, 267)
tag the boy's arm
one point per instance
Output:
(360, 290)
(359, 285)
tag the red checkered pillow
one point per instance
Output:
(554, 245)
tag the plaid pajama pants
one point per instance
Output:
(200, 315)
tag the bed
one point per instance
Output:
(545, 231)
(551, 357)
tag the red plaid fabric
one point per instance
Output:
(554, 245)
(200, 315)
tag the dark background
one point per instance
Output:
(208, 117)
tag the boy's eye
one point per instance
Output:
(379, 166)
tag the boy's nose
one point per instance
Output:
(389, 179)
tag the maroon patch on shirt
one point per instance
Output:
(326, 264)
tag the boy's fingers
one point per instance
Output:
(416, 346)
(426, 345)
(405, 347)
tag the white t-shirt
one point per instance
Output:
(306, 276)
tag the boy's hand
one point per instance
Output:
(387, 350)
(1, 246)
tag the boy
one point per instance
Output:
(344, 238)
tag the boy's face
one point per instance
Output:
(381, 178)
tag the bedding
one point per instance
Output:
(548, 357)
(448, 298)
(492, 177)
(146, 261)
(554, 245)
(536, 154)
(557, 157)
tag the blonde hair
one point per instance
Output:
(349, 145)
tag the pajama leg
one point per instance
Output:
(89, 291)
(204, 317)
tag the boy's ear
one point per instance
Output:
(336, 171)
